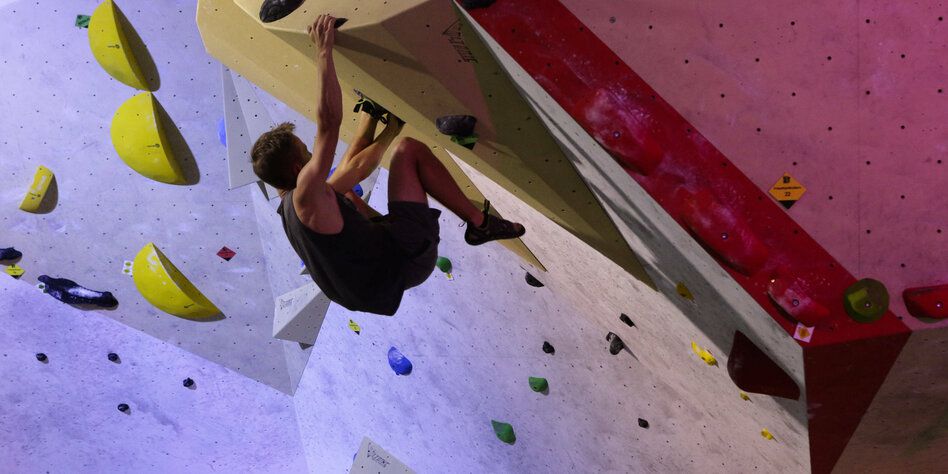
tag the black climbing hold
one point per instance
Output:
(113, 357)
(625, 319)
(69, 292)
(41, 357)
(9, 254)
(548, 348)
(615, 344)
(188, 382)
(273, 10)
(339, 22)
(123, 407)
(532, 281)
(456, 125)
(643, 423)
(471, 4)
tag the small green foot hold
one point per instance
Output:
(538, 384)
(444, 264)
(467, 141)
(866, 300)
(504, 431)
(82, 21)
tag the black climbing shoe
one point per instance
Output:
(69, 292)
(494, 228)
(370, 107)
(390, 116)
(273, 10)
(9, 254)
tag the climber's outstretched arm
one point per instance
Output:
(328, 107)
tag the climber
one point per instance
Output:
(359, 258)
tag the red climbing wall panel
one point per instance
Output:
(733, 217)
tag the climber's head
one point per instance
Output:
(278, 156)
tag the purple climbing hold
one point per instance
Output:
(398, 362)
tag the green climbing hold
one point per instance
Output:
(467, 141)
(444, 264)
(866, 300)
(538, 384)
(504, 431)
(82, 21)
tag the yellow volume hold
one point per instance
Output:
(36, 193)
(110, 46)
(139, 139)
(165, 287)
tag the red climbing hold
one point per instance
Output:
(627, 134)
(723, 233)
(226, 253)
(791, 297)
(929, 302)
(752, 370)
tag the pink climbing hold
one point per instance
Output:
(928, 302)
(792, 298)
(721, 232)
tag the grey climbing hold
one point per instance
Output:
(188, 382)
(548, 348)
(41, 357)
(113, 357)
(615, 345)
(643, 423)
(532, 281)
(625, 319)
(456, 125)
(273, 10)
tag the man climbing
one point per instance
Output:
(358, 257)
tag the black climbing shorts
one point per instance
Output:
(414, 227)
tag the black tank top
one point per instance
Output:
(357, 268)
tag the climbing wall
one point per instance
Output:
(841, 383)
(58, 105)
(475, 339)
(62, 415)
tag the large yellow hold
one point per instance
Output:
(139, 140)
(111, 48)
(34, 196)
(165, 287)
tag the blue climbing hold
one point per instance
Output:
(9, 254)
(399, 363)
(222, 131)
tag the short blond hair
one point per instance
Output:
(273, 156)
